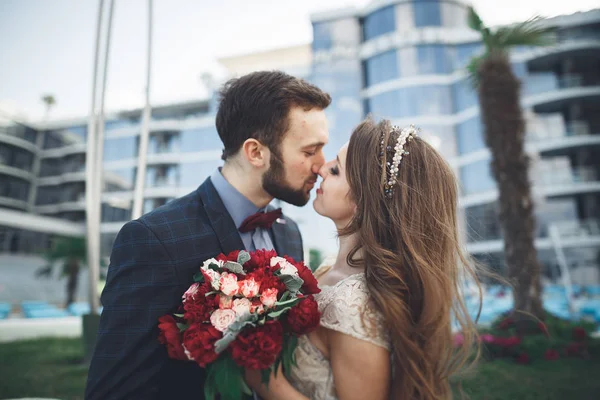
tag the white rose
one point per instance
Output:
(213, 277)
(221, 319)
(191, 292)
(286, 268)
(269, 297)
(210, 261)
(225, 301)
(241, 306)
(229, 284)
(248, 287)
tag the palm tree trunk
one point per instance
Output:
(504, 133)
(72, 281)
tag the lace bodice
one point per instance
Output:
(344, 308)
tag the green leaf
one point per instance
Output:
(199, 277)
(528, 33)
(292, 282)
(287, 302)
(233, 330)
(228, 378)
(288, 357)
(285, 296)
(265, 375)
(182, 327)
(178, 315)
(473, 69)
(243, 256)
(210, 386)
(474, 21)
(234, 267)
(276, 314)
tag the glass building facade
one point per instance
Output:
(412, 59)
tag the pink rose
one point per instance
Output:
(221, 319)
(269, 297)
(211, 277)
(191, 292)
(248, 287)
(241, 306)
(257, 307)
(225, 302)
(229, 284)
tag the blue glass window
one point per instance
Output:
(464, 95)
(465, 52)
(381, 68)
(119, 179)
(378, 23)
(470, 136)
(427, 13)
(412, 101)
(321, 36)
(433, 59)
(477, 177)
(193, 174)
(120, 148)
(199, 139)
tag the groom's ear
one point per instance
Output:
(255, 153)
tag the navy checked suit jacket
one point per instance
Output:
(152, 264)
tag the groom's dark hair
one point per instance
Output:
(257, 106)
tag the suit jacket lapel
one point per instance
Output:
(219, 218)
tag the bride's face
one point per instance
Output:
(333, 196)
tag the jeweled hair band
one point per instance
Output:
(392, 167)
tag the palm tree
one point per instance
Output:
(71, 251)
(50, 101)
(502, 117)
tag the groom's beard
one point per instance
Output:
(274, 183)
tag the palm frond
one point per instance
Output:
(527, 33)
(474, 21)
(473, 70)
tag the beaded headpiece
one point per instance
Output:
(391, 167)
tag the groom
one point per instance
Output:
(273, 129)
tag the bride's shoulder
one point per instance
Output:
(345, 307)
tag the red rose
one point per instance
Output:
(523, 358)
(259, 259)
(257, 348)
(266, 280)
(551, 355)
(171, 337)
(304, 317)
(199, 340)
(579, 334)
(198, 308)
(233, 256)
(310, 285)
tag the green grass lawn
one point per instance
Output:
(51, 368)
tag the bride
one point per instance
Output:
(388, 299)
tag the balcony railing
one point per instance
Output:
(549, 132)
(557, 176)
(589, 227)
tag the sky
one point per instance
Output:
(47, 47)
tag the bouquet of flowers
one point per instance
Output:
(244, 310)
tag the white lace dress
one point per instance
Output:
(343, 308)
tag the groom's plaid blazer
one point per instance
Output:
(152, 264)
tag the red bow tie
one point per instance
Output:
(260, 220)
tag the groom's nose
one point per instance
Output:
(322, 171)
(318, 165)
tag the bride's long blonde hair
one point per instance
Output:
(410, 251)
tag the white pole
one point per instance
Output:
(564, 268)
(98, 168)
(138, 195)
(92, 256)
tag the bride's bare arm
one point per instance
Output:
(361, 370)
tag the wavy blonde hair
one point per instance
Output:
(410, 250)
